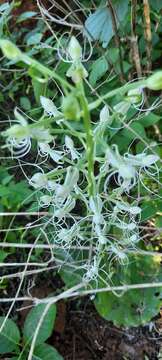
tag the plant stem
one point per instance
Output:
(45, 70)
(121, 91)
(89, 138)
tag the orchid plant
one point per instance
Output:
(90, 190)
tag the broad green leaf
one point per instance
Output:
(46, 352)
(3, 255)
(98, 25)
(4, 191)
(14, 194)
(9, 337)
(149, 120)
(134, 307)
(137, 131)
(26, 15)
(32, 320)
(149, 209)
(158, 221)
(156, 4)
(99, 68)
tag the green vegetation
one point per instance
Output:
(80, 175)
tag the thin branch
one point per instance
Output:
(45, 213)
(69, 293)
(65, 294)
(134, 40)
(117, 39)
(147, 33)
(123, 288)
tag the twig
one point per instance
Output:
(69, 293)
(117, 39)
(44, 213)
(123, 288)
(57, 298)
(147, 33)
(134, 40)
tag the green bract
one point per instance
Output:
(154, 82)
(70, 107)
(10, 50)
(74, 49)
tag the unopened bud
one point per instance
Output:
(17, 131)
(10, 50)
(70, 108)
(104, 114)
(154, 82)
(122, 107)
(135, 96)
(74, 49)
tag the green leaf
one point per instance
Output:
(158, 221)
(3, 255)
(138, 130)
(25, 103)
(149, 209)
(156, 4)
(32, 320)
(34, 39)
(46, 352)
(99, 24)
(134, 307)
(99, 68)
(149, 120)
(9, 337)
(39, 84)
(26, 15)
(14, 194)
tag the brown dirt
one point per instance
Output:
(81, 334)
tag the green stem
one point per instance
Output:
(89, 138)
(45, 70)
(119, 91)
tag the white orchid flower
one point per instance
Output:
(127, 166)
(70, 146)
(45, 200)
(55, 155)
(65, 209)
(121, 206)
(49, 107)
(41, 181)
(71, 179)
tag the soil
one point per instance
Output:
(81, 334)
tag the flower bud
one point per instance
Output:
(134, 96)
(122, 107)
(74, 49)
(45, 200)
(17, 131)
(105, 114)
(77, 72)
(154, 82)
(70, 108)
(49, 106)
(10, 50)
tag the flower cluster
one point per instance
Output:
(105, 221)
